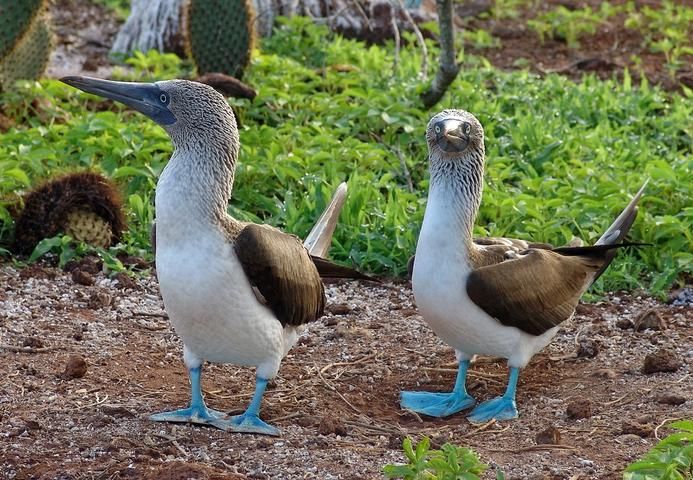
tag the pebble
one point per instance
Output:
(82, 278)
(549, 436)
(580, 408)
(662, 360)
(671, 399)
(76, 367)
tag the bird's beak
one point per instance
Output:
(450, 135)
(146, 98)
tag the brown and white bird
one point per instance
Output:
(498, 297)
(235, 292)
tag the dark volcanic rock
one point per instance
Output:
(661, 361)
(579, 408)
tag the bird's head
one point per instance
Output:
(452, 133)
(185, 109)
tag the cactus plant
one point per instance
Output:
(86, 206)
(15, 19)
(29, 57)
(219, 35)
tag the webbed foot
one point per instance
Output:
(436, 404)
(500, 408)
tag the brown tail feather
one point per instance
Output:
(327, 269)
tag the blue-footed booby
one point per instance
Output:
(500, 297)
(235, 292)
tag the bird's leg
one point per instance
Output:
(197, 412)
(440, 404)
(499, 408)
(250, 422)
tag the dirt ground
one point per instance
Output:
(84, 365)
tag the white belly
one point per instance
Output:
(439, 283)
(443, 302)
(212, 307)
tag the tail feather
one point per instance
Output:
(327, 269)
(618, 230)
(319, 239)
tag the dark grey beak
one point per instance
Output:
(452, 134)
(146, 98)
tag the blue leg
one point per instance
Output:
(197, 412)
(440, 404)
(250, 421)
(500, 408)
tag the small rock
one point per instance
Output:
(305, 421)
(124, 281)
(587, 348)
(82, 278)
(394, 442)
(330, 425)
(580, 408)
(32, 425)
(661, 361)
(629, 439)
(651, 320)
(670, 399)
(635, 427)
(550, 436)
(624, 324)
(99, 299)
(338, 308)
(605, 373)
(76, 367)
(331, 321)
(32, 342)
(116, 411)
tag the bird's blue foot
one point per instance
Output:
(500, 408)
(436, 404)
(440, 404)
(250, 423)
(199, 414)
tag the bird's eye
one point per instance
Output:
(163, 98)
(437, 128)
(467, 127)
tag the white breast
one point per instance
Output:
(439, 283)
(206, 294)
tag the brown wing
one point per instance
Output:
(280, 268)
(534, 292)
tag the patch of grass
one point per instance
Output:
(450, 462)
(562, 158)
(670, 459)
(569, 25)
(668, 30)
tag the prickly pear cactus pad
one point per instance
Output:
(219, 35)
(15, 18)
(28, 59)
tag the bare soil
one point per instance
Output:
(84, 365)
(86, 358)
